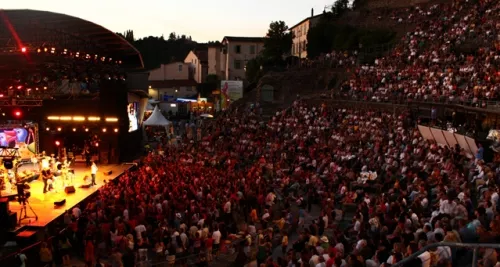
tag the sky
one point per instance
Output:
(203, 20)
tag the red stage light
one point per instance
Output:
(58, 143)
(96, 144)
(18, 113)
(24, 49)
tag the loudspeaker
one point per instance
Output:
(85, 186)
(12, 222)
(59, 203)
(107, 172)
(69, 189)
(4, 206)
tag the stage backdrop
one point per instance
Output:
(23, 138)
(446, 138)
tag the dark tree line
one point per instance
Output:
(158, 50)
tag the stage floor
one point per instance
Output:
(43, 204)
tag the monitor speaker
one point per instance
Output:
(107, 172)
(69, 189)
(59, 203)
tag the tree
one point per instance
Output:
(253, 69)
(340, 7)
(278, 42)
(129, 36)
(172, 36)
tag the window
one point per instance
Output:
(252, 50)
(237, 64)
(180, 68)
(237, 49)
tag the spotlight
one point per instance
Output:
(8, 163)
(86, 129)
(116, 130)
(57, 143)
(59, 129)
(18, 113)
(24, 49)
(48, 129)
(104, 130)
(74, 129)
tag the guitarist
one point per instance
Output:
(46, 175)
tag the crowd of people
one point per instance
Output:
(451, 56)
(60, 76)
(318, 186)
(254, 186)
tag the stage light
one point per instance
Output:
(58, 143)
(78, 118)
(1, 95)
(94, 118)
(111, 119)
(8, 163)
(24, 49)
(104, 130)
(19, 87)
(39, 50)
(65, 118)
(74, 129)
(18, 113)
(59, 129)
(53, 118)
(45, 49)
(86, 129)
(116, 130)
(48, 129)
(96, 144)
(3, 114)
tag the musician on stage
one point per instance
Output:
(46, 175)
(93, 169)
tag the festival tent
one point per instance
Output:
(156, 119)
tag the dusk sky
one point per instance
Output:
(203, 20)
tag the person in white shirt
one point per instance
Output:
(216, 236)
(93, 170)
(139, 229)
(426, 256)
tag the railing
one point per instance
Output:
(486, 105)
(473, 246)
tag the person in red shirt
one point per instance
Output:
(208, 244)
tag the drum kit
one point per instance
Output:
(57, 173)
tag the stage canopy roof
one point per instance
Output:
(34, 29)
(156, 119)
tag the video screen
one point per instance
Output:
(133, 123)
(21, 138)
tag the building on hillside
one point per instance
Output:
(170, 90)
(299, 30)
(172, 71)
(171, 81)
(198, 61)
(215, 60)
(237, 51)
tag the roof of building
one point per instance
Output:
(202, 55)
(172, 83)
(35, 29)
(244, 39)
(306, 19)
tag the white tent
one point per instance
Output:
(149, 107)
(156, 119)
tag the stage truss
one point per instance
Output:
(21, 102)
(8, 152)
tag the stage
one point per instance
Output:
(43, 204)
